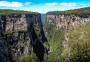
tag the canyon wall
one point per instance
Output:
(19, 34)
(70, 21)
(67, 22)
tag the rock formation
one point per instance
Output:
(64, 29)
(67, 22)
(19, 33)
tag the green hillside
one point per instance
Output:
(82, 12)
(9, 11)
(55, 39)
(79, 45)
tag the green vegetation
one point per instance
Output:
(8, 11)
(77, 51)
(79, 45)
(79, 41)
(55, 39)
(27, 58)
(24, 58)
(82, 12)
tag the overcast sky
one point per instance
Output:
(43, 6)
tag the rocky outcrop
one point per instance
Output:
(67, 22)
(19, 33)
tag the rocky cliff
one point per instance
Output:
(19, 34)
(59, 27)
(68, 22)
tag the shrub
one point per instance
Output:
(79, 46)
(26, 58)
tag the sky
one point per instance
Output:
(43, 6)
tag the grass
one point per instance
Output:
(55, 39)
(27, 58)
(79, 45)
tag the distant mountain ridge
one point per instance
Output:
(9, 11)
(83, 12)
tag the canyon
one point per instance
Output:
(48, 37)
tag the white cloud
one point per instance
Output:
(51, 4)
(16, 4)
(13, 4)
(62, 4)
(68, 4)
(27, 3)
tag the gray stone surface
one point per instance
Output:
(20, 32)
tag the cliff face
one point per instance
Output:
(58, 28)
(68, 35)
(70, 21)
(67, 22)
(18, 33)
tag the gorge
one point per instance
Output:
(58, 36)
